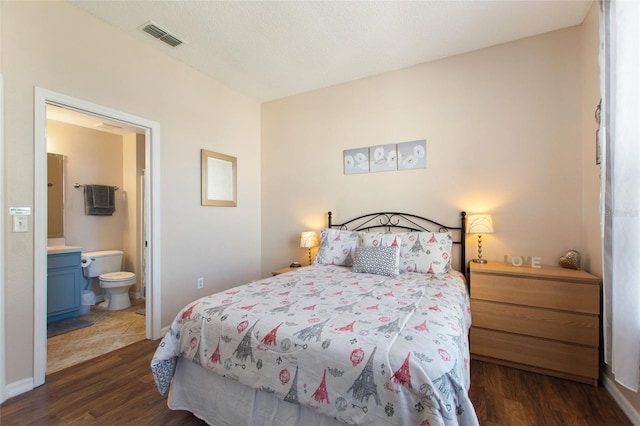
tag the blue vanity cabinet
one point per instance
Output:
(64, 277)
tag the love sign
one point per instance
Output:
(532, 261)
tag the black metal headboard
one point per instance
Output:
(390, 221)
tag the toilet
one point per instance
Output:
(107, 265)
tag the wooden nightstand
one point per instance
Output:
(545, 320)
(283, 270)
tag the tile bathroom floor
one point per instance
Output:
(110, 330)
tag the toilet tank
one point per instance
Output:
(95, 263)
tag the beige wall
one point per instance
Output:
(91, 157)
(133, 166)
(503, 134)
(590, 46)
(61, 48)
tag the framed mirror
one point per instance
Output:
(219, 179)
(55, 195)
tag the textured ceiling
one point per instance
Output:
(271, 49)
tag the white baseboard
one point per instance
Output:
(619, 398)
(164, 330)
(19, 387)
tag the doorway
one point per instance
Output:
(151, 208)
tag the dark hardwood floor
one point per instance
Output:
(118, 389)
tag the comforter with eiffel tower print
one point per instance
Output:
(361, 348)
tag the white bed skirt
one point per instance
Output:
(220, 401)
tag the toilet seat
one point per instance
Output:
(117, 276)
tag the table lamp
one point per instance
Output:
(479, 224)
(309, 239)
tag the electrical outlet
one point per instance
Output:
(200, 282)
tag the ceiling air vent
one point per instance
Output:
(160, 34)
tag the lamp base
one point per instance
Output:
(479, 261)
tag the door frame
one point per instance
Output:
(152, 212)
(3, 380)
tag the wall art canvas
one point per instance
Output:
(382, 158)
(412, 155)
(356, 161)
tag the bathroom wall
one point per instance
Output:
(92, 157)
(132, 170)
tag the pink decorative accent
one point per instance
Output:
(242, 326)
(376, 307)
(435, 308)
(357, 355)
(388, 387)
(249, 307)
(321, 394)
(284, 293)
(433, 239)
(348, 327)
(403, 375)
(270, 338)
(186, 315)
(215, 358)
(310, 308)
(422, 327)
(285, 376)
(430, 271)
(444, 355)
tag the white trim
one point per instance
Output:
(2, 268)
(619, 398)
(152, 186)
(21, 386)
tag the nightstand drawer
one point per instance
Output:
(567, 296)
(545, 354)
(558, 325)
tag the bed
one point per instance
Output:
(374, 332)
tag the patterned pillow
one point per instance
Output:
(336, 247)
(426, 252)
(382, 239)
(376, 260)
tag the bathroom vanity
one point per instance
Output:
(64, 282)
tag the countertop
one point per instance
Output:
(62, 249)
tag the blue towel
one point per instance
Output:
(99, 200)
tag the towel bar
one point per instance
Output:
(78, 185)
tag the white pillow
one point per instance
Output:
(426, 252)
(336, 247)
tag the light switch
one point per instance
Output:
(20, 223)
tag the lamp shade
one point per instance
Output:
(479, 224)
(309, 239)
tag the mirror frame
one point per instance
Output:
(219, 179)
(55, 196)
